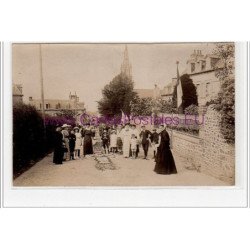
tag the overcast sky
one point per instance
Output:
(86, 68)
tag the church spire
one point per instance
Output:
(126, 67)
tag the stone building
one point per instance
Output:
(53, 106)
(200, 68)
(17, 93)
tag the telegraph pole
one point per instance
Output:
(42, 98)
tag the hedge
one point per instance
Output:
(31, 141)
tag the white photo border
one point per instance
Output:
(182, 196)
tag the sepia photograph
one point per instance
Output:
(123, 114)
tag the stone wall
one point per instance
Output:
(208, 152)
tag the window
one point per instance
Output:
(58, 106)
(40, 105)
(203, 65)
(47, 105)
(192, 67)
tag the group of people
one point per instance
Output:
(71, 143)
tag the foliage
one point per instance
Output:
(30, 140)
(117, 96)
(58, 121)
(66, 113)
(225, 103)
(189, 96)
(142, 106)
(28, 136)
(165, 106)
(191, 110)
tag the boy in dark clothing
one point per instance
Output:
(154, 140)
(105, 141)
(144, 135)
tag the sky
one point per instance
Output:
(87, 68)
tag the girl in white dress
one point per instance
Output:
(113, 141)
(126, 137)
(78, 144)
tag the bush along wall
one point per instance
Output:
(31, 141)
(28, 137)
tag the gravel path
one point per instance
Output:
(128, 172)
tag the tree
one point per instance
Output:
(165, 106)
(191, 110)
(225, 103)
(117, 96)
(189, 96)
(142, 106)
(66, 113)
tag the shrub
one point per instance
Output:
(225, 103)
(30, 140)
(191, 110)
(28, 136)
(189, 92)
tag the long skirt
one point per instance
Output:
(58, 155)
(165, 163)
(126, 147)
(87, 146)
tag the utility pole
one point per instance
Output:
(42, 97)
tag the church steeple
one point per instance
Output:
(126, 67)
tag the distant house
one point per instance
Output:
(154, 93)
(168, 90)
(145, 93)
(17, 93)
(53, 106)
(201, 70)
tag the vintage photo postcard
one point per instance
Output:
(123, 115)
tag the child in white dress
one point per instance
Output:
(113, 141)
(133, 145)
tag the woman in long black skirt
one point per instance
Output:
(58, 147)
(87, 141)
(164, 159)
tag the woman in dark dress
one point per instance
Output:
(164, 159)
(72, 144)
(87, 134)
(58, 147)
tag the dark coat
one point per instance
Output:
(144, 136)
(72, 142)
(165, 163)
(87, 145)
(58, 148)
(154, 137)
